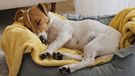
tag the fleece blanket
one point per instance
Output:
(18, 40)
(124, 22)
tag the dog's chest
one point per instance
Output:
(52, 34)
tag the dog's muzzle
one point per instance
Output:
(43, 39)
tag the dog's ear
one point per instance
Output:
(19, 14)
(45, 7)
(27, 21)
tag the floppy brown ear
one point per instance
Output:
(45, 7)
(27, 21)
(18, 14)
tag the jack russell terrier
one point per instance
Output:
(89, 36)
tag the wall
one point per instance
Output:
(131, 3)
(101, 7)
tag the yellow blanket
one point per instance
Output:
(18, 40)
(124, 22)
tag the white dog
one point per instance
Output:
(89, 36)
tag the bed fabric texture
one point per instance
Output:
(122, 65)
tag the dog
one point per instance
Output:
(89, 36)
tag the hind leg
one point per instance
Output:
(88, 59)
(91, 50)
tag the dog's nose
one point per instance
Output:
(42, 38)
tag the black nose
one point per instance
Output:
(42, 38)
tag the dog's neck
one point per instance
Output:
(51, 20)
(54, 18)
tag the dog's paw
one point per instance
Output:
(65, 70)
(45, 55)
(57, 56)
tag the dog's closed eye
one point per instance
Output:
(38, 22)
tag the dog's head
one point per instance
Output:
(36, 19)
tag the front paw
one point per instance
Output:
(57, 56)
(65, 70)
(45, 55)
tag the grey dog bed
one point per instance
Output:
(123, 63)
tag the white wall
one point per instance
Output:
(131, 3)
(101, 7)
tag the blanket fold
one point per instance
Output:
(18, 40)
(124, 22)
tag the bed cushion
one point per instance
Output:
(119, 66)
(3, 65)
(122, 65)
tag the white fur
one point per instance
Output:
(89, 36)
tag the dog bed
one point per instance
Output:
(123, 63)
(39, 73)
